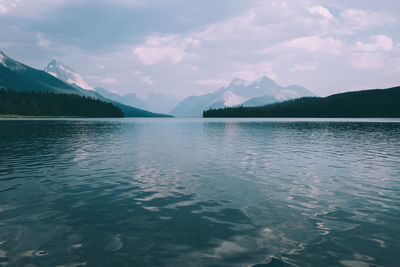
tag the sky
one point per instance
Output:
(188, 47)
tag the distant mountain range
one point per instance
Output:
(155, 102)
(378, 103)
(239, 92)
(159, 103)
(57, 78)
(129, 99)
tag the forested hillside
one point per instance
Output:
(379, 103)
(49, 104)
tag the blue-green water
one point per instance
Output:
(171, 192)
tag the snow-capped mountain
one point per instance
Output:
(11, 64)
(59, 70)
(66, 74)
(227, 99)
(19, 77)
(260, 92)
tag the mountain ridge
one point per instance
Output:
(239, 92)
(19, 77)
(66, 74)
(372, 103)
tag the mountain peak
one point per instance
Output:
(61, 71)
(239, 82)
(264, 78)
(2, 57)
(57, 64)
(10, 63)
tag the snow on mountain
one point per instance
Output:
(19, 77)
(240, 92)
(2, 58)
(228, 99)
(10, 63)
(66, 74)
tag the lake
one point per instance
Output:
(199, 192)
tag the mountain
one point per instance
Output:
(240, 92)
(19, 77)
(156, 102)
(377, 103)
(129, 99)
(59, 70)
(66, 74)
(161, 102)
(33, 103)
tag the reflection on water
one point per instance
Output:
(199, 193)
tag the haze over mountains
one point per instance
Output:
(160, 103)
(378, 103)
(240, 92)
(59, 79)
(155, 102)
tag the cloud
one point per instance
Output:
(305, 67)
(42, 42)
(377, 43)
(317, 44)
(131, 3)
(110, 80)
(368, 60)
(234, 28)
(320, 10)
(30, 8)
(354, 20)
(251, 72)
(171, 48)
(7, 5)
(146, 79)
(3, 9)
(104, 80)
(204, 50)
(371, 55)
(212, 82)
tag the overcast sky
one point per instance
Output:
(185, 47)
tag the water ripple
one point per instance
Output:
(200, 192)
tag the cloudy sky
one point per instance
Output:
(185, 47)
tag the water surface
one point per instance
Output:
(194, 192)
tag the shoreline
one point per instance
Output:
(13, 116)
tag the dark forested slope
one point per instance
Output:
(378, 103)
(50, 104)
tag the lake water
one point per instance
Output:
(196, 192)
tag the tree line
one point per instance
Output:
(378, 103)
(51, 104)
